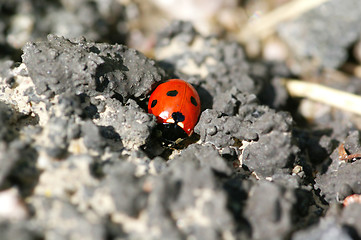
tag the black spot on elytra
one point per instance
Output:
(193, 101)
(154, 102)
(172, 93)
(178, 117)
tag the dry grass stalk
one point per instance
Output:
(316, 92)
(266, 25)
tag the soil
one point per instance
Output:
(80, 157)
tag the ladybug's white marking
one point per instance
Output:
(164, 115)
(170, 120)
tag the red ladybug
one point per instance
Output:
(177, 106)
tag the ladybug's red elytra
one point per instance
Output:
(177, 106)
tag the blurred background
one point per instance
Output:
(318, 40)
(137, 22)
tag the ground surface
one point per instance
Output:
(80, 158)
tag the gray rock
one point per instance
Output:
(59, 65)
(307, 36)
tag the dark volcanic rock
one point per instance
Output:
(185, 187)
(74, 224)
(220, 64)
(124, 188)
(326, 229)
(335, 184)
(269, 210)
(341, 178)
(19, 230)
(307, 36)
(77, 144)
(129, 121)
(205, 156)
(60, 65)
(351, 219)
(270, 153)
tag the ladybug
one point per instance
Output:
(177, 106)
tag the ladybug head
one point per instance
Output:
(171, 132)
(178, 117)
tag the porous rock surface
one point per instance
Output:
(77, 143)
(307, 37)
